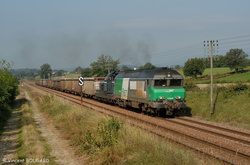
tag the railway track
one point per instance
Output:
(216, 126)
(193, 134)
(226, 133)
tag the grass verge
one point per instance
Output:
(106, 140)
(231, 105)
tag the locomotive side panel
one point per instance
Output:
(139, 90)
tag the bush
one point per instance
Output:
(232, 90)
(106, 135)
(238, 87)
(189, 86)
(8, 92)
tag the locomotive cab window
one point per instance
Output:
(175, 82)
(161, 83)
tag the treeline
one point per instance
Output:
(24, 73)
(220, 61)
(235, 59)
(100, 68)
(104, 65)
(8, 91)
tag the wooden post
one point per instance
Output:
(211, 77)
(81, 95)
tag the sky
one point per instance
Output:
(67, 34)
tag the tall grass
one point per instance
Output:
(105, 140)
(231, 105)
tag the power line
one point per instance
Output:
(244, 36)
(190, 51)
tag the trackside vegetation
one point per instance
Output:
(8, 92)
(231, 104)
(105, 140)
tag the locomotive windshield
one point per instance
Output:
(171, 82)
(175, 82)
(161, 83)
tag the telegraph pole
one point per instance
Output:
(211, 44)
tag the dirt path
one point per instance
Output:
(9, 139)
(201, 86)
(61, 150)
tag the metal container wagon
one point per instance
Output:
(90, 85)
(76, 88)
(62, 84)
(68, 85)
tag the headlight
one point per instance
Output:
(178, 97)
(162, 98)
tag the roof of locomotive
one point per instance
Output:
(156, 73)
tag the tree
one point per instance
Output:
(177, 67)
(218, 61)
(24, 73)
(45, 71)
(59, 73)
(103, 65)
(194, 67)
(124, 68)
(8, 88)
(236, 59)
(86, 72)
(78, 70)
(248, 62)
(148, 65)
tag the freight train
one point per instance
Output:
(157, 91)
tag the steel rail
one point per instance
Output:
(217, 127)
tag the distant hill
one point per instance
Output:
(14, 71)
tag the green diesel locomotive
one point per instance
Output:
(155, 91)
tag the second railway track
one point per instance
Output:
(231, 149)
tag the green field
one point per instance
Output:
(216, 71)
(72, 75)
(240, 78)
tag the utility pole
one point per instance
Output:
(211, 44)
